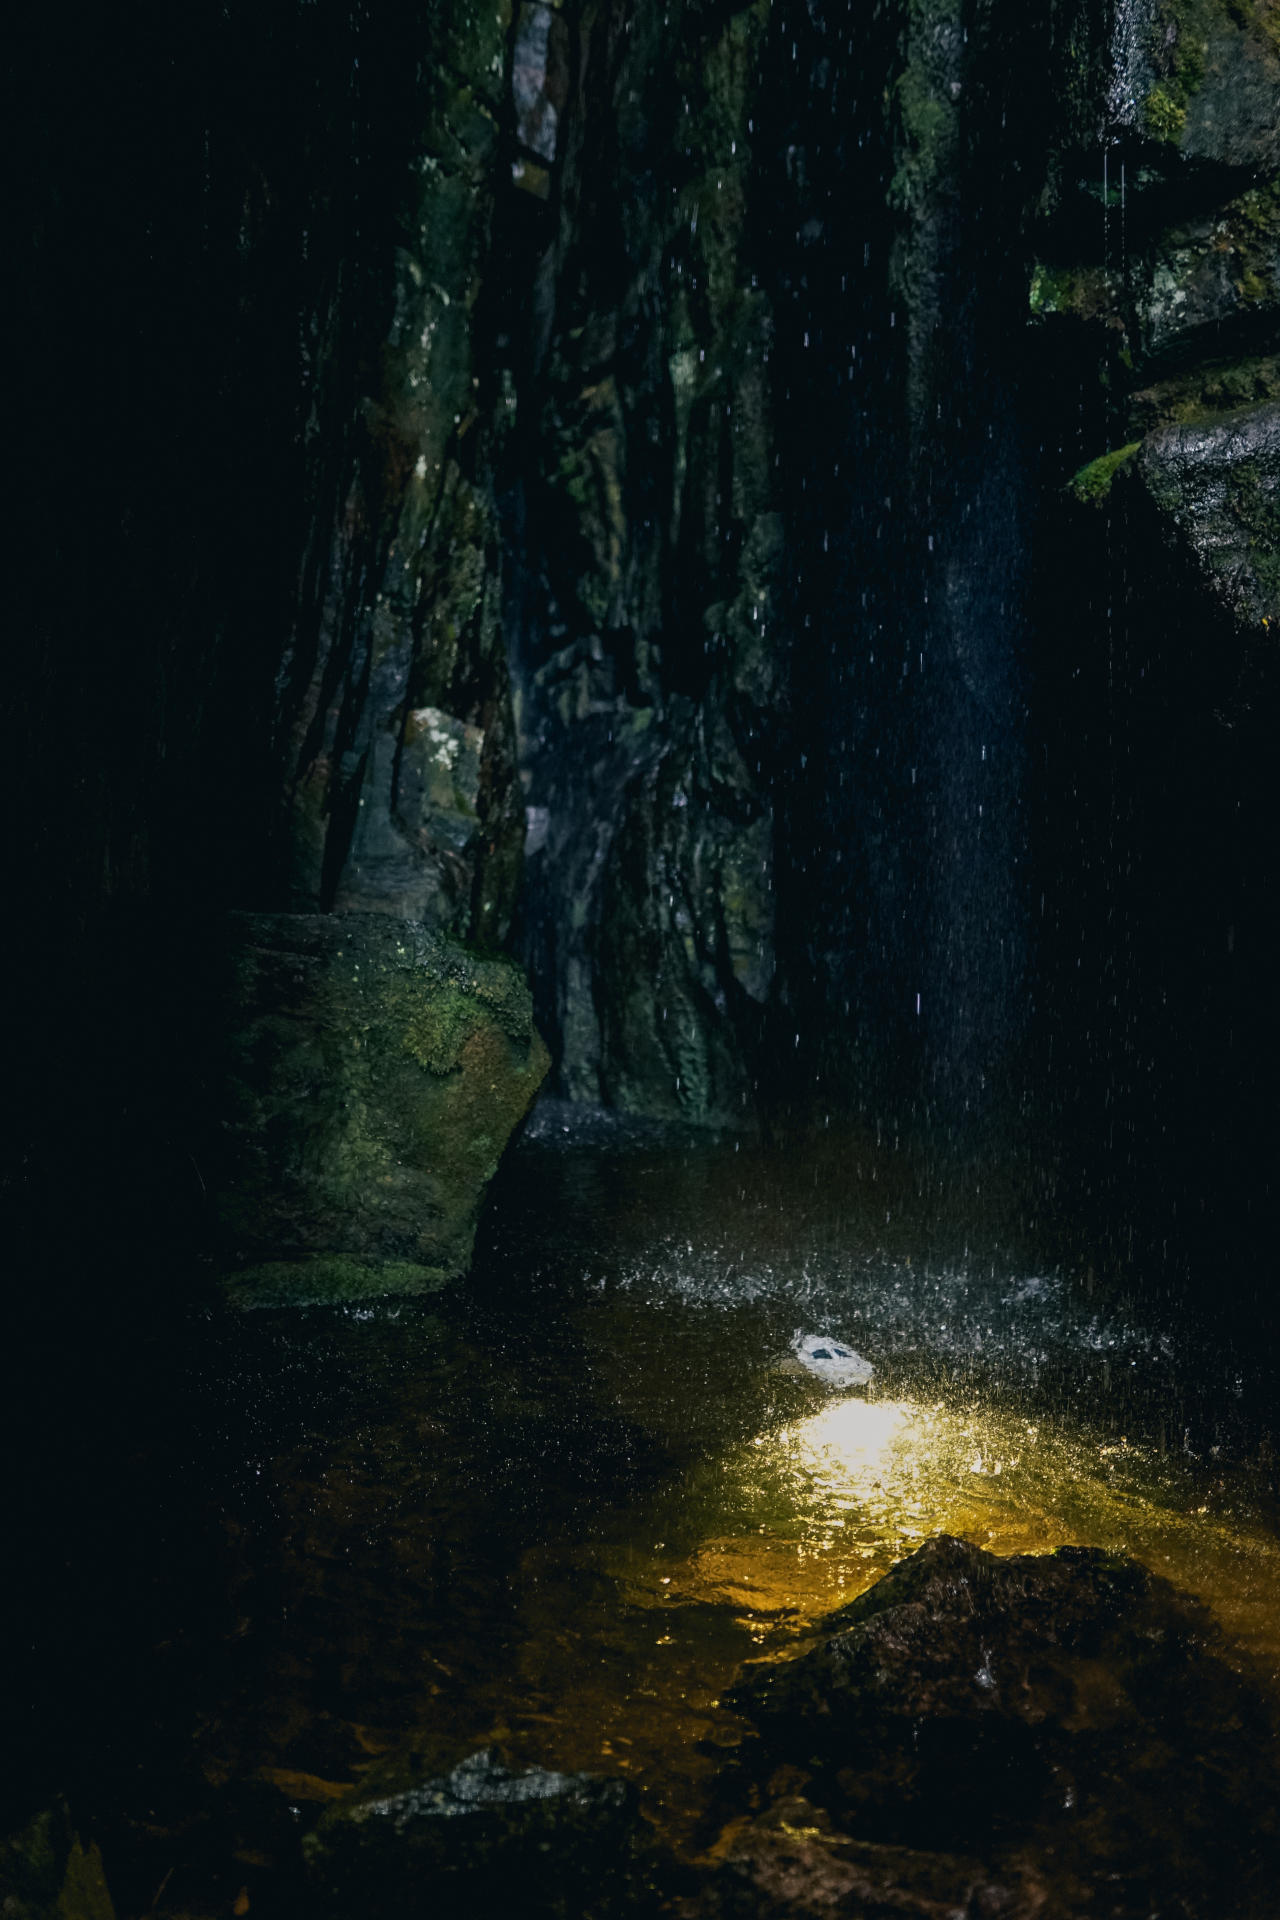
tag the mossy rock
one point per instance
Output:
(327, 1279)
(1215, 68)
(1083, 293)
(1091, 486)
(1193, 397)
(1190, 80)
(374, 1074)
(1212, 279)
(47, 1873)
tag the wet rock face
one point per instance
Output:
(1216, 485)
(482, 1839)
(1067, 1720)
(636, 433)
(538, 463)
(393, 710)
(1152, 379)
(665, 586)
(645, 547)
(550, 476)
(1157, 231)
(1199, 78)
(375, 1074)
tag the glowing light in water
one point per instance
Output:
(851, 1440)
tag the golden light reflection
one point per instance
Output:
(920, 1458)
(860, 1475)
(749, 1551)
(850, 1441)
(854, 1486)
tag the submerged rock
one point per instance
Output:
(482, 1839)
(790, 1864)
(376, 1074)
(1070, 1719)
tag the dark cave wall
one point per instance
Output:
(1036, 706)
(598, 480)
(913, 144)
(1151, 363)
(641, 499)
(394, 708)
(246, 304)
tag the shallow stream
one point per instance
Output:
(560, 1506)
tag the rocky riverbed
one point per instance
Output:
(732, 1640)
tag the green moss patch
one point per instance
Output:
(376, 1072)
(1092, 484)
(1164, 115)
(328, 1279)
(1187, 40)
(1206, 391)
(1075, 293)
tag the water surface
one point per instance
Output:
(561, 1505)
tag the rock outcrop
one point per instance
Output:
(1216, 485)
(1010, 1736)
(645, 539)
(484, 1838)
(1162, 194)
(374, 1074)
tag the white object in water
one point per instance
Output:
(831, 1360)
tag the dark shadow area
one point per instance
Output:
(730, 448)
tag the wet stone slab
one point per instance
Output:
(482, 1838)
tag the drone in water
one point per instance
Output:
(831, 1361)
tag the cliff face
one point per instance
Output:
(641, 500)
(592, 479)
(540, 578)
(394, 709)
(1152, 301)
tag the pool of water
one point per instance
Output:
(560, 1506)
